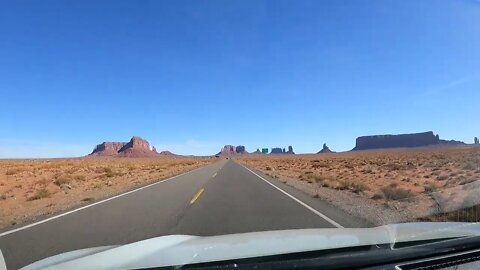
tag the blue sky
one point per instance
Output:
(191, 76)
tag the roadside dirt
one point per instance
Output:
(33, 188)
(385, 186)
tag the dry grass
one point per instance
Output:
(397, 194)
(12, 171)
(62, 179)
(40, 194)
(398, 176)
(375, 169)
(31, 187)
(330, 182)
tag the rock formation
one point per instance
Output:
(450, 142)
(107, 149)
(230, 150)
(240, 149)
(167, 153)
(325, 150)
(278, 150)
(475, 141)
(402, 140)
(136, 147)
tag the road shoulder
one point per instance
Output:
(332, 212)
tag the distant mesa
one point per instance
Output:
(167, 153)
(163, 153)
(107, 149)
(278, 150)
(325, 150)
(401, 140)
(136, 147)
(227, 150)
(240, 149)
(230, 150)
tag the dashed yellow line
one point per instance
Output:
(199, 193)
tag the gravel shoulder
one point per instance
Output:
(357, 205)
(384, 186)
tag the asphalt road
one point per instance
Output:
(221, 198)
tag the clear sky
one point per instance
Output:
(191, 76)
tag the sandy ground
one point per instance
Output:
(383, 186)
(33, 188)
(380, 186)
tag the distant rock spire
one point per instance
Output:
(325, 149)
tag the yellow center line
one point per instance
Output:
(199, 193)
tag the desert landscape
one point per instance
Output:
(30, 189)
(221, 134)
(387, 185)
(33, 188)
(438, 181)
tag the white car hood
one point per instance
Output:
(183, 249)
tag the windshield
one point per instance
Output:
(123, 121)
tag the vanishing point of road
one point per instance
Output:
(221, 198)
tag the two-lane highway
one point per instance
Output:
(222, 198)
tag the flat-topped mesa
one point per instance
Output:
(107, 149)
(240, 149)
(136, 143)
(136, 147)
(229, 150)
(278, 150)
(393, 141)
(401, 140)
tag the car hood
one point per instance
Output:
(184, 249)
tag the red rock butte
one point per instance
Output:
(136, 147)
(228, 150)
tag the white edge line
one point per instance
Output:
(297, 200)
(3, 265)
(93, 204)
